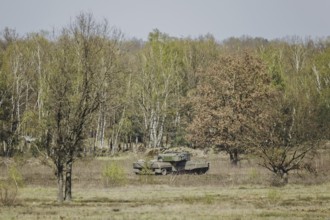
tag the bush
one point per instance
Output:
(8, 193)
(113, 175)
(9, 186)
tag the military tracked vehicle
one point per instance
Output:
(171, 162)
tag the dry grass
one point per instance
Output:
(168, 202)
(225, 192)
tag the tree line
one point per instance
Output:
(86, 88)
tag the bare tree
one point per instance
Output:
(77, 78)
(290, 139)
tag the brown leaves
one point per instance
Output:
(228, 102)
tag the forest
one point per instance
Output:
(87, 91)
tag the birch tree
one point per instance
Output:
(16, 68)
(155, 86)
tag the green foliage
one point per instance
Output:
(206, 199)
(179, 138)
(15, 176)
(274, 196)
(146, 169)
(9, 187)
(5, 109)
(277, 73)
(113, 175)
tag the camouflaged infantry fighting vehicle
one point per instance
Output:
(171, 162)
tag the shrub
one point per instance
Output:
(113, 175)
(8, 193)
(147, 175)
(9, 186)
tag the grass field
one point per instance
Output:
(225, 192)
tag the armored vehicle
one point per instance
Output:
(171, 162)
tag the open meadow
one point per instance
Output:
(225, 192)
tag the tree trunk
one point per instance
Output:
(284, 177)
(280, 178)
(233, 154)
(115, 147)
(103, 130)
(59, 175)
(4, 148)
(97, 132)
(68, 181)
(110, 145)
(156, 127)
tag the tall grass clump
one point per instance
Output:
(113, 175)
(10, 185)
(274, 197)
